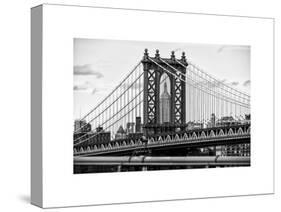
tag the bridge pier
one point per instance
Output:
(144, 168)
(119, 168)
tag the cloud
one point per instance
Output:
(85, 87)
(220, 49)
(86, 70)
(178, 49)
(95, 90)
(232, 48)
(247, 83)
(234, 83)
(79, 87)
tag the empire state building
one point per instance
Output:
(165, 105)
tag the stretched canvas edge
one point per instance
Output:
(36, 106)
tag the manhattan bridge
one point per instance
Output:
(167, 113)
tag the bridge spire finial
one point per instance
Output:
(183, 58)
(145, 55)
(173, 55)
(157, 55)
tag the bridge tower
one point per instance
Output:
(154, 68)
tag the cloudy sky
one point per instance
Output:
(99, 65)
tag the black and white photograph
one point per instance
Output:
(150, 106)
(140, 106)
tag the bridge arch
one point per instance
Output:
(203, 135)
(194, 135)
(151, 140)
(221, 133)
(230, 131)
(212, 133)
(160, 139)
(168, 138)
(185, 136)
(240, 131)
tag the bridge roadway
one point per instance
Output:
(100, 164)
(231, 136)
(163, 161)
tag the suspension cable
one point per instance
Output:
(192, 81)
(205, 73)
(85, 116)
(115, 114)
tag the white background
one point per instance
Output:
(60, 26)
(15, 47)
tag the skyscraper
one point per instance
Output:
(138, 124)
(165, 105)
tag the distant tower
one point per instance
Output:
(120, 133)
(153, 69)
(213, 120)
(138, 124)
(165, 105)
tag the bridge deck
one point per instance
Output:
(162, 161)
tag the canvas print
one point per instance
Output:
(149, 106)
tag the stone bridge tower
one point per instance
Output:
(154, 68)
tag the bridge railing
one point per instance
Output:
(168, 140)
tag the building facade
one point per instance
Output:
(81, 126)
(121, 133)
